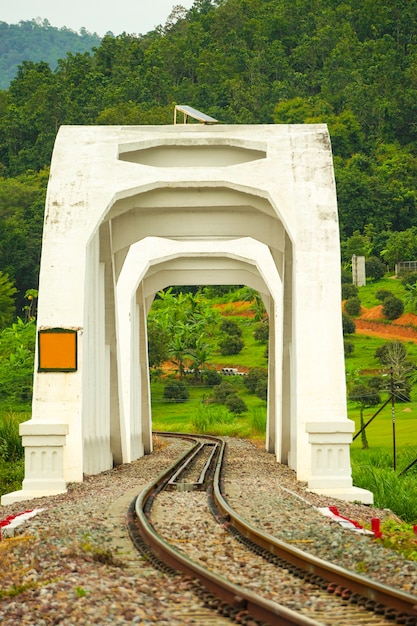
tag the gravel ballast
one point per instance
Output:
(73, 563)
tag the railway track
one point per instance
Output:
(337, 595)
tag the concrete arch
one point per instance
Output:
(130, 209)
(238, 261)
(188, 211)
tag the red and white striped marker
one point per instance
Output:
(333, 513)
(12, 521)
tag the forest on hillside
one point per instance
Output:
(351, 64)
(36, 40)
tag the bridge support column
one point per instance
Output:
(330, 461)
(44, 461)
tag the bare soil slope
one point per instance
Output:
(372, 322)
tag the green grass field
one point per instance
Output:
(367, 294)
(188, 416)
(380, 431)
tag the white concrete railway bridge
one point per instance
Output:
(133, 209)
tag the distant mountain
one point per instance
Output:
(36, 40)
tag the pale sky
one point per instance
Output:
(117, 16)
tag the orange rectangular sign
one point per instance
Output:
(57, 349)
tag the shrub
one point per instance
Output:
(261, 332)
(348, 348)
(364, 395)
(348, 325)
(256, 379)
(157, 344)
(392, 307)
(212, 378)
(11, 476)
(11, 448)
(208, 418)
(373, 471)
(374, 268)
(353, 306)
(176, 390)
(261, 389)
(230, 327)
(17, 349)
(252, 378)
(7, 299)
(235, 404)
(349, 291)
(381, 294)
(222, 391)
(409, 278)
(258, 420)
(346, 276)
(376, 382)
(390, 352)
(231, 344)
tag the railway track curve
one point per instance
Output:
(344, 597)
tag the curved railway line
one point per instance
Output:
(341, 596)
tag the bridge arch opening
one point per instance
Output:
(187, 327)
(188, 263)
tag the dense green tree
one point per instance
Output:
(375, 268)
(7, 295)
(357, 245)
(352, 66)
(348, 325)
(22, 202)
(381, 294)
(184, 319)
(230, 327)
(17, 349)
(349, 290)
(157, 344)
(401, 246)
(261, 332)
(256, 381)
(222, 391)
(230, 344)
(36, 40)
(176, 391)
(353, 306)
(235, 404)
(393, 354)
(348, 348)
(392, 307)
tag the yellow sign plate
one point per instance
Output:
(57, 350)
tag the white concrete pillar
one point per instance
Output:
(97, 456)
(44, 446)
(145, 415)
(358, 271)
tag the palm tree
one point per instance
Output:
(200, 355)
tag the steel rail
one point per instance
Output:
(187, 463)
(315, 568)
(371, 589)
(241, 599)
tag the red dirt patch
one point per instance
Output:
(242, 308)
(372, 314)
(372, 322)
